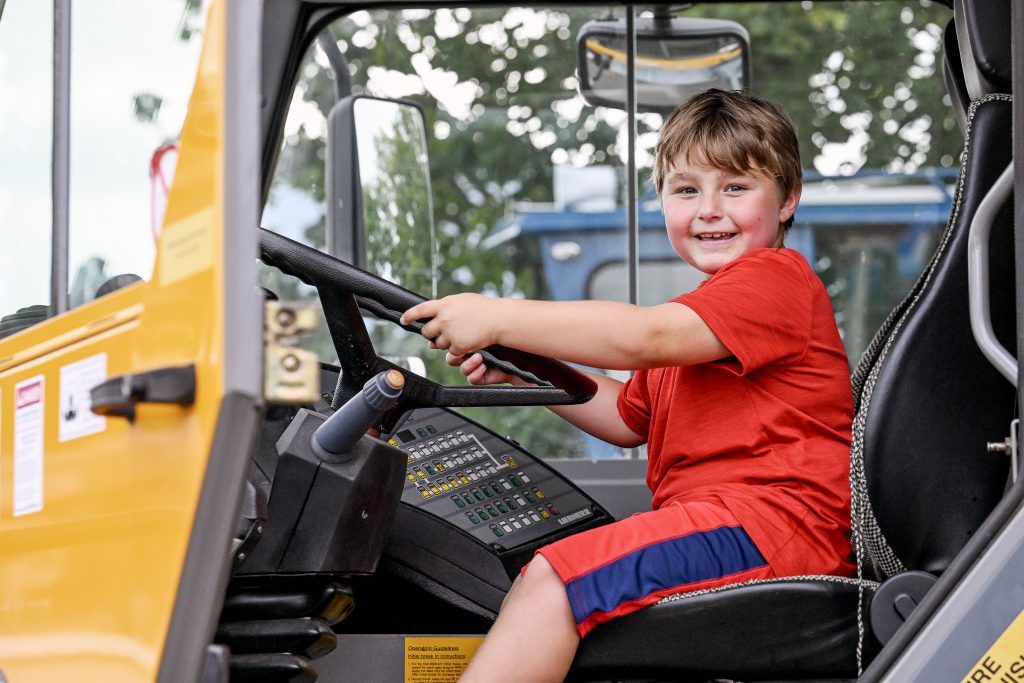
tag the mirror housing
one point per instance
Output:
(379, 199)
(675, 59)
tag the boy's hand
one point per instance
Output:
(461, 323)
(476, 372)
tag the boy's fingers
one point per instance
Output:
(420, 310)
(431, 330)
(477, 375)
(470, 365)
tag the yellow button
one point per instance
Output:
(425, 493)
(511, 461)
(410, 477)
(436, 491)
(464, 478)
(421, 474)
(544, 514)
(537, 493)
(455, 482)
(444, 485)
(439, 466)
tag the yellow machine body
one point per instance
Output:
(89, 573)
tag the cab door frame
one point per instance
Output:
(157, 494)
(206, 572)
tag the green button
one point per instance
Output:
(497, 488)
(473, 518)
(516, 481)
(497, 531)
(501, 507)
(488, 493)
(529, 496)
(468, 498)
(458, 501)
(429, 469)
(478, 495)
(483, 514)
(511, 504)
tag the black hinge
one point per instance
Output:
(118, 396)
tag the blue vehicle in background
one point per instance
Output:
(868, 236)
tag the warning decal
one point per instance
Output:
(28, 446)
(76, 383)
(1004, 661)
(438, 660)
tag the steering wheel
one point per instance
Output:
(344, 289)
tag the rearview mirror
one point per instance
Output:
(675, 58)
(380, 212)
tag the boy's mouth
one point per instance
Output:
(715, 236)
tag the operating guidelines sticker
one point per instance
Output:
(1004, 661)
(438, 660)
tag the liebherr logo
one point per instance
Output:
(573, 516)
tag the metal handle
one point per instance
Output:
(978, 276)
(118, 396)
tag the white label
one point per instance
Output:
(76, 381)
(579, 514)
(28, 446)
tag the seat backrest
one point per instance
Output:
(953, 75)
(927, 400)
(983, 34)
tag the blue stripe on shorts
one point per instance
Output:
(699, 556)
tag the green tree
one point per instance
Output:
(866, 71)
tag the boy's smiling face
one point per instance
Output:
(714, 216)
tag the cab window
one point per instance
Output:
(133, 65)
(26, 126)
(528, 178)
(123, 133)
(499, 96)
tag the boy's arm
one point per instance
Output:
(603, 334)
(598, 417)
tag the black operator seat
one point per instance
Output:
(927, 402)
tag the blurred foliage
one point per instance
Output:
(498, 91)
(870, 70)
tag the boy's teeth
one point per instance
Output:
(714, 235)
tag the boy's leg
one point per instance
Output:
(535, 629)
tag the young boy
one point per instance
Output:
(742, 394)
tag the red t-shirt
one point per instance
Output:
(765, 431)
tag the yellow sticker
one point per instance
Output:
(1004, 661)
(186, 247)
(438, 660)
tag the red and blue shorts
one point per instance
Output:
(616, 569)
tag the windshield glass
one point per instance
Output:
(528, 181)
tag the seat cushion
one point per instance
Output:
(800, 627)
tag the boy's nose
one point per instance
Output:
(709, 208)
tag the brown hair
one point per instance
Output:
(734, 131)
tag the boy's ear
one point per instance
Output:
(789, 204)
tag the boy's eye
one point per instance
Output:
(734, 187)
(686, 190)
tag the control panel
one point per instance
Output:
(484, 485)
